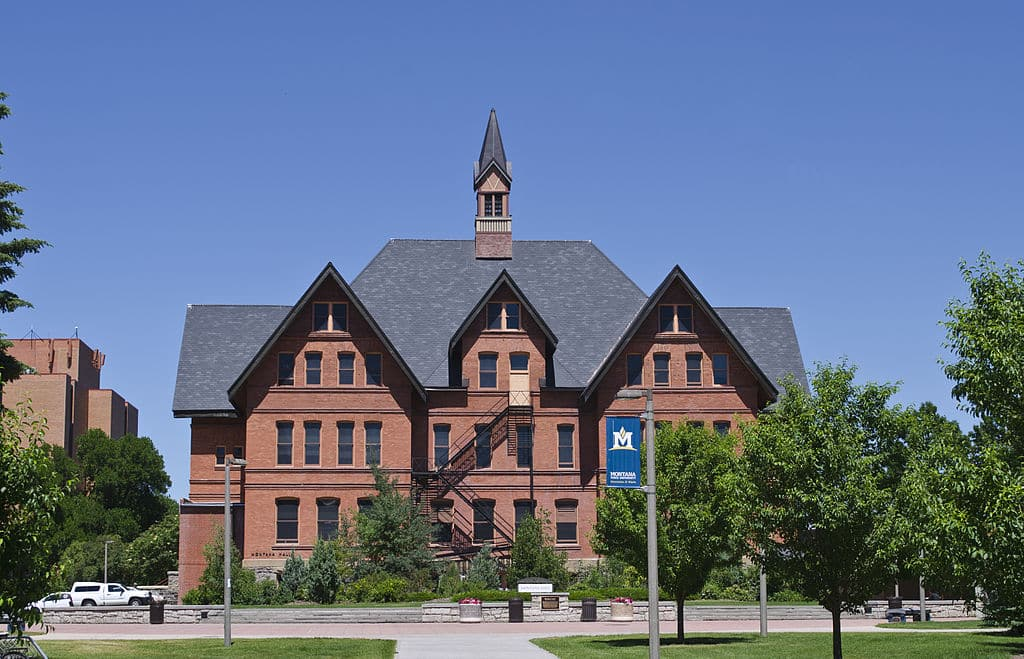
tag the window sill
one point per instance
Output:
(687, 336)
(329, 333)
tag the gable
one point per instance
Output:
(675, 291)
(299, 322)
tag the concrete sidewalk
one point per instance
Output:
(446, 641)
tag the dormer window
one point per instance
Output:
(675, 318)
(503, 316)
(330, 317)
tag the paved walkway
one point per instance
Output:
(471, 641)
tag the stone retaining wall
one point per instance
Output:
(568, 611)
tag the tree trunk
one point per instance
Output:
(837, 639)
(680, 609)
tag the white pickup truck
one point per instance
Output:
(91, 593)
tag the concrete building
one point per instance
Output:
(62, 385)
(479, 373)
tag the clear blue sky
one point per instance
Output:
(837, 160)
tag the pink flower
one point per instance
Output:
(469, 600)
(622, 600)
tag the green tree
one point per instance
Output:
(699, 512)
(293, 576)
(30, 494)
(484, 572)
(821, 507)
(82, 560)
(126, 478)
(322, 578)
(534, 554)
(211, 582)
(393, 536)
(150, 556)
(11, 253)
(984, 334)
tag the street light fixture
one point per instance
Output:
(228, 461)
(654, 638)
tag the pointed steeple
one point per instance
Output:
(492, 180)
(492, 151)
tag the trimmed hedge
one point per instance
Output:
(492, 595)
(635, 594)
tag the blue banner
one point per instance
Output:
(622, 454)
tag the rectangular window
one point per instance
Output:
(345, 442)
(666, 318)
(483, 447)
(346, 368)
(512, 316)
(565, 521)
(503, 316)
(443, 519)
(661, 369)
(327, 519)
(285, 368)
(524, 509)
(720, 369)
(442, 433)
(237, 452)
(321, 317)
(372, 443)
(483, 521)
(695, 424)
(494, 316)
(684, 318)
(287, 520)
(675, 318)
(488, 370)
(313, 361)
(519, 362)
(524, 446)
(284, 442)
(312, 442)
(339, 317)
(565, 447)
(693, 366)
(634, 370)
(722, 427)
(364, 504)
(373, 370)
(219, 452)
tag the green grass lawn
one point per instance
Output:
(265, 648)
(788, 644)
(939, 624)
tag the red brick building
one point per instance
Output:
(476, 372)
(62, 385)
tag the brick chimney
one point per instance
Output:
(492, 180)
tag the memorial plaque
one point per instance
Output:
(549, 603)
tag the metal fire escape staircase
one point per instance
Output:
(501, 422)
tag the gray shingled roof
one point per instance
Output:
(421, 291)
(769, 336)
(217, 344)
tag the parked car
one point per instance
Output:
(60, 600)
(92, 593)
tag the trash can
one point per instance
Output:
(515, 609)
(156, 613)
(589, 613)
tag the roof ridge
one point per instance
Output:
(265, 306)
(750, 307)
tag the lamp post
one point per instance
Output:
(105, 543)
(228, 461)
(654, 638)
